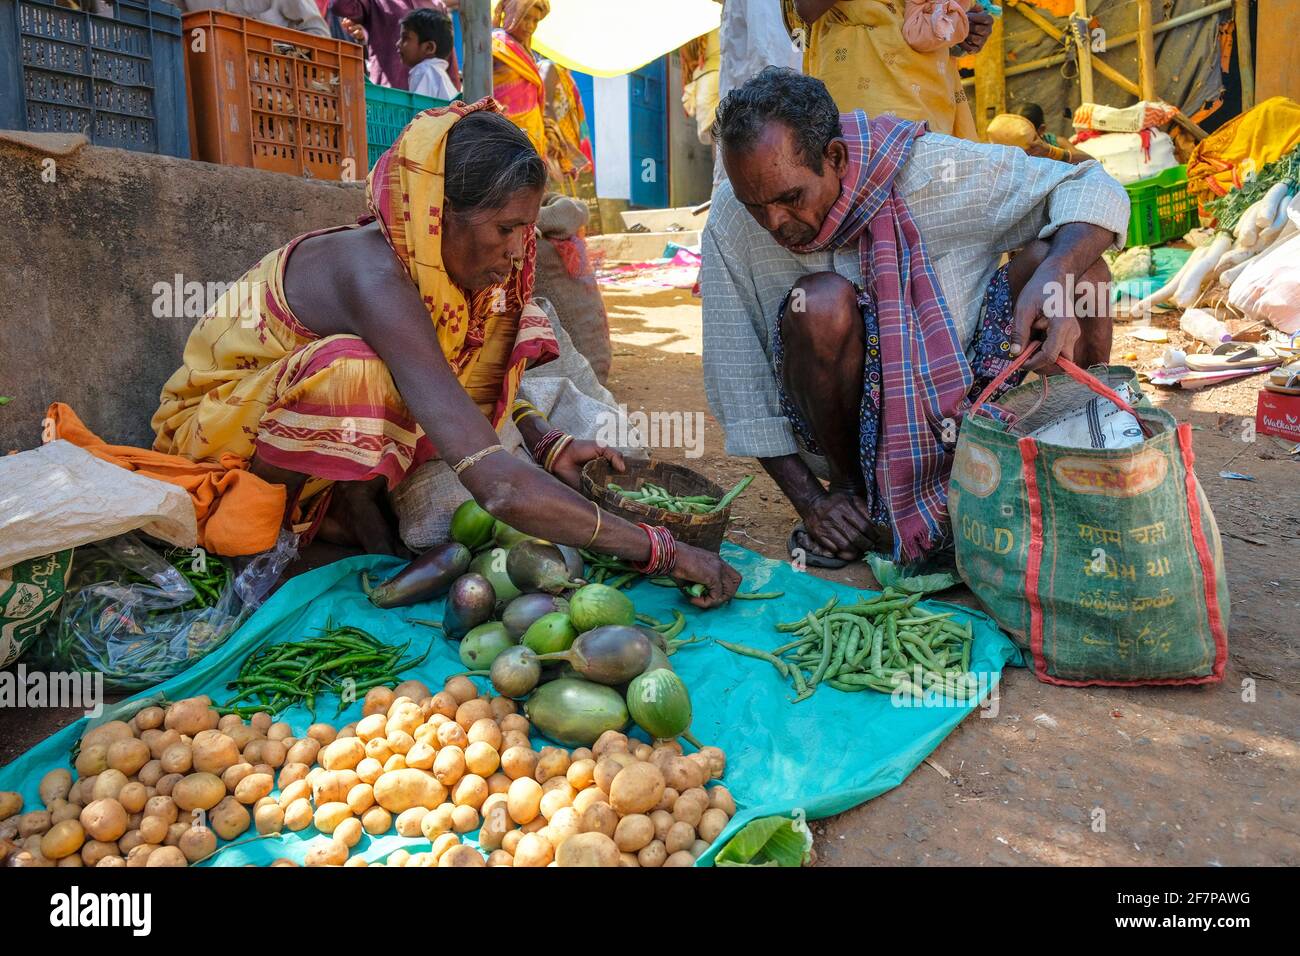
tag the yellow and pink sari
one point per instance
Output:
(256, 380)
(516, 78)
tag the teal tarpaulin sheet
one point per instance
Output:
(830, 752)
(1165, 262)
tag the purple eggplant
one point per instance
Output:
(428, 576)
(527, 608)
(538, 565)
(470, 602)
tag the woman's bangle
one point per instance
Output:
(592, 539)
(521, 410)
(663, 551)
(471, 460)
(556, 450)
(544, 444)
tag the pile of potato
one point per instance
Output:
(159, 790)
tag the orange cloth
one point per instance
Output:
(237, 512)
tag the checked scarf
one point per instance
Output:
(925, 374)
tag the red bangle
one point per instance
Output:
(663, 551)
(544, 444)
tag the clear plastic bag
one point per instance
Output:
(141, 613)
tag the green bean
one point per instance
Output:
(826, 652)
(755, 653)
(756, 596)
(735, 492)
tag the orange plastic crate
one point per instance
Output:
(275, 99)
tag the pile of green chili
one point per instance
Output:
(659, 497)
(345, 661)
(883, 644)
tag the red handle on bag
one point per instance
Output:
(1069, 368)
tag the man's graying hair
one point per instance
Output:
(488, 160)
(777, 93)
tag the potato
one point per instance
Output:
(274, 753)
(368, 770)
(482, 758)
(215, 752)
(343, 753)
(330, 815)
(291, 773)
(555, 799)
(400, 742)
(409, 821)
(280, 730)
(403, 789)
(107, 785)
(524, 800)
(191, 716)
(471, 711)
(150, 773)
(553, 762)
(406, 716)
(361, 798)
(348, 832)
(532, 851)
(496, 824)
(139, 854)
(600, 818)
(414, 689)
(229, 722)
(636, 789)
(634, 832)
(304, 751)
(111, 860)
(160, 806)
(327, 853)
(149, 718)
(54, 786)
(449, 765)
(609, 766)
(464, 819)
(680, 858)
(376, 820)
(199, 791)
(104, 820)
(438, 846)
(106, 733)
(717, 761)
(92, 760)
(585, 798)
(254, 787)
(668, 800)
(133, 797)
(668, 746)
(452, 734)
(519, 762)
(398, 858)
(581, 774)
(167, 782)
(62, 810)
(681, 773)
(513, 738)
(62, 839)
(641, 751)
(372, 727)
(680, 837)
(34, 823)
(377, 701)
(151, 830)
(705, 768)
(462, 855)
(229, 818)
(485, 730)
(159, 740)
(538, 822)
(563, 824)
(470, 791)
(246, 737)
(500, 857)
(269, 818)
(197, 843)
(510, 841)
(652, 854)
(611, 741)
(167, 856)
(461, 688)
(690, 807)
(628, 859)
(713, 822)
(421, 755)
(92, 851)
(663, 822)
(587, 849)
(332, 786)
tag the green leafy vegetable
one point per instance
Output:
(767, 841)
(1229, 209)
(890, 575)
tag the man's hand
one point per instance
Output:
(981, 26)
(1043, 310)
(353, 29)
(568, 464)
(838, 523)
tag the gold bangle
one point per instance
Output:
(475, 458)
(555, 452)
(592, 540)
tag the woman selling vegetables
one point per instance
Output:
(351, 355)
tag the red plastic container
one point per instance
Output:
(274, 99)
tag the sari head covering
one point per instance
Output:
(516, 78)
(405, 192)
(509, 12)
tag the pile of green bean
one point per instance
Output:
(883, 644)
(346, 661)
(659, 497)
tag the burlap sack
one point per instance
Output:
(565, 390)
(565, 277)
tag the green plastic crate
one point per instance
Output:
(1161, 209)
(387, 113)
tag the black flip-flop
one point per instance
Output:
(810, 557)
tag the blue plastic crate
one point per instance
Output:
(120, 80)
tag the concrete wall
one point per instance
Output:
(81, 256)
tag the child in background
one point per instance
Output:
(425, 47)
(929, 25)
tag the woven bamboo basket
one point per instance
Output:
(703, 531)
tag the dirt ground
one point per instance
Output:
(1190, 776)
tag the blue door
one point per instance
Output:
(648, 134)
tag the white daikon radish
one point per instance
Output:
(1229, 276)
(1247, 221)
(1167, 290)
(1190, 286)
(1273, 199)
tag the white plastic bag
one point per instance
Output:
(1269, 286)
(1122, 155)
